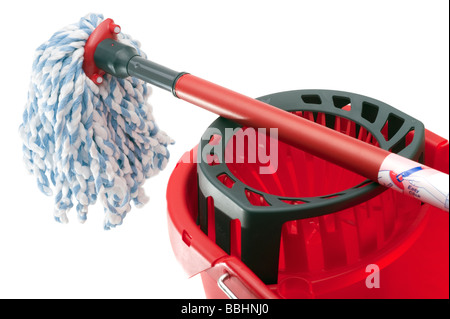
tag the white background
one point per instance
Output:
(394, 51)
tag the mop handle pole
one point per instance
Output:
(391, 170)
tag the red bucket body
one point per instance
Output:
(326, 256)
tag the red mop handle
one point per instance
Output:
(388, 169)
(104, 54)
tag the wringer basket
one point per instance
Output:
(305, 227)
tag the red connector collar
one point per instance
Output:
(105, 30)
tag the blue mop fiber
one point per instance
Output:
(84, 141)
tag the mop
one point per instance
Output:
(89, 141)
(85, 141)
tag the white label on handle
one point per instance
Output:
(411, 178)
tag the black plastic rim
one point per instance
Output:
(261, 225)
(366, 112)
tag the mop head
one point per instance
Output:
(84, 141)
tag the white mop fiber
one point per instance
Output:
(82, 141)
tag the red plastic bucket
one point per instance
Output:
(330, 256)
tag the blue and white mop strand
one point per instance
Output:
(85, 142)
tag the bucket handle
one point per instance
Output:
(221, 283)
